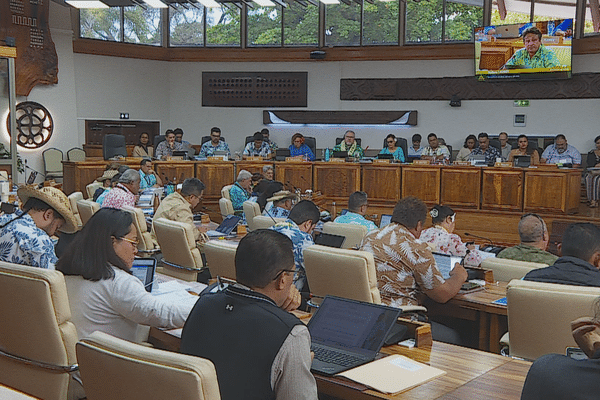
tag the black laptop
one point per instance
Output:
(347, 333)
(144, 269)
(330, 240)
(340, 154)
(522, 161)
(226, 227)
(281, 154)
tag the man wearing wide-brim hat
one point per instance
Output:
(25, 235)
(283, 201)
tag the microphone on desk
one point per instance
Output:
(480, 237)
(292, 185)
(269, 214)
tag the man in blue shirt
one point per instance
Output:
(240, 191)
(148, 177)
(283, 201)
(357, 208)
(258, 147)
(214, 144)
(491, 153)
(561, 153)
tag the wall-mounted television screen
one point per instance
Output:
(536, 50)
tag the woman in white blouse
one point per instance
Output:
(103, 294)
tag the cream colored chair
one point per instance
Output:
(37, 337)
(225, 204)
(220, 258)
(354, 233)
(147, 244)
(264, 222)
(181, 258)
(251, 210)
(53, 168)
(540, 315)
(87, 208)
(73, 197)
(225, 192)
(506, 270)
(91, 189)
(76, 154)
(113, 368)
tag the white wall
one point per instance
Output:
(101, 87)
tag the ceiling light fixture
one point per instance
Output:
(264, 3)
(86, 3)
(155, 3)
(330, 1)
(210, 3)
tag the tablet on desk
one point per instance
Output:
(445, 263)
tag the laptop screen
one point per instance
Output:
(228, 224)
(328, 239)
(385, 220)
(143, 269)
(352, 325)
(445, 263)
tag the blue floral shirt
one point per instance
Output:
(208, 150)
(264, 151)
(22, 242)
(570, 155)
(277, 212)
(238, 196)
(357, 219)
(303, 150)
(147, 181)
(301, 240)
(543, 58)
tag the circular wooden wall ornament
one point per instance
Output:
(34, 125)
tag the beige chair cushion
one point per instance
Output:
(264, 222)
(354, 233)
(220, 258)
(35, 318)
(87, 208)
(73, 197)
(251, 210)
(341, 272)
(91, 189)
(225, 192)
(113, 368)
(139, 220)
(226, 207)
(506, 270)
(178, 246)
(540, 315)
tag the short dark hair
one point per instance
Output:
(534, 30)
(91, 253)
(215, 129)
(257, 136)
(441, 213)
(503, 133)
(169, 132)
(357, 200)
(264, 131)
(192, 186)
(431, 135)
(178, 131)
(303, 211)
(468, 138)
(596, 139)
(261, 255)
(38, 205)
(409, 211)
(560, 136)
(416, 137)
(144, 161)
(266, 190)
(581, 240)
(483, 135)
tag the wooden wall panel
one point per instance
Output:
(502, 189)
(215, 175)
(337, 181)
(461, 187)
(381, 181)
(422, 181)
(294, 175)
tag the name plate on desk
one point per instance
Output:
(422, 162)
(382, 161)
(467, 163)
(296, 159)
(503, 164)
(254, 158)
(337, 160)
(216, 158)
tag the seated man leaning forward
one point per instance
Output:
(580, 261)
(357, 208)
(561, 153)
(148, 177)
(534, 54)
(178, 207)
(126, 191)
(25, 235)
(228, 327)
(283, 201)
(257, 147)
(534, 242)
(240, 190)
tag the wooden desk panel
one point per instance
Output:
(215, 175)
(336, 180)
(297, 174)
(175, 170)
(251, 166)
(461, 187)
(78, 174)
(382, 181)
(555, 191)
(502, 189)
(422, 181)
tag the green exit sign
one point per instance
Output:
(521, 103)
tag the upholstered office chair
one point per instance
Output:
(251, 210)
(496, 143)
(450, 151)
(506, 270)
(400, 142)
(339, 140)
(225, 204)
(147, 245)
(207, 138)
(113, 368)
(354, 233)
(220, 258)
(311, 142)
(181, 258)
(158, 139)
(265, 222)
(91, 189)
(87, 208)
(73, 197)
(37, 338)
(113, 145)
(540, 315)
(248, 140)
(53, 168)
(76, 154)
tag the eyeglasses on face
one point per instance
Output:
(132, 241)
(298, 274)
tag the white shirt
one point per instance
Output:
(116, 306)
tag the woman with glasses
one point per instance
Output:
(299, 148)
(391, 148)
(442, 238)
(103, 293)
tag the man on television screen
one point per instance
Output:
(534, 55)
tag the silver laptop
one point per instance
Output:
(226, 227)
(144, 269)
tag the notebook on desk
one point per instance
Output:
(347, 333)
(226, 227)
(144, 269)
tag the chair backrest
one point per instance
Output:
(311, 142)
(354, 233)
(506, 270)
(178, 245)
(226, 207)
(220, 258)
(496, 143)
(248, 140)
(113, 145)
(251, 210)
(158, 139)
(113, 368)
(91, 188)
(339, 140)
(225, 192)
(87, 208)
(341, 272)
(73, 197)
(76, 154)
(36, 325)
(540, 315)
(139, 220)
(264, 222)
(400, 142)
(207, 138)
(451, 158)
(53, 158)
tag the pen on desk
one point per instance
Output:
(190, 291)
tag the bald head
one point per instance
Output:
(533, 231)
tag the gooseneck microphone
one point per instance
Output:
(480, 237)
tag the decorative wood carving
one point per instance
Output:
(340, 117)
(581, 86)
(34, 125)
(37, 61)
(254, 89)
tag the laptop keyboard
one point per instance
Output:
(334, 357)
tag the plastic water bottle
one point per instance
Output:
(327, 154)
(550, 28)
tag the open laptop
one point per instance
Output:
(522, 161)
(281, 154)
(330, 240)
(478, 160)
(226, 227)
(385, 220)
(347, 333)
(445, 263)
(340, 154)
(144, 269)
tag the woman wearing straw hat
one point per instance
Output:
(25, 235)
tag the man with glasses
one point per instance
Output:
(534, 242)
(357, 208)
(350, 145)
(259, 349)
(561, 153)
(214, 144)
(178, 207)
(283, 201)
